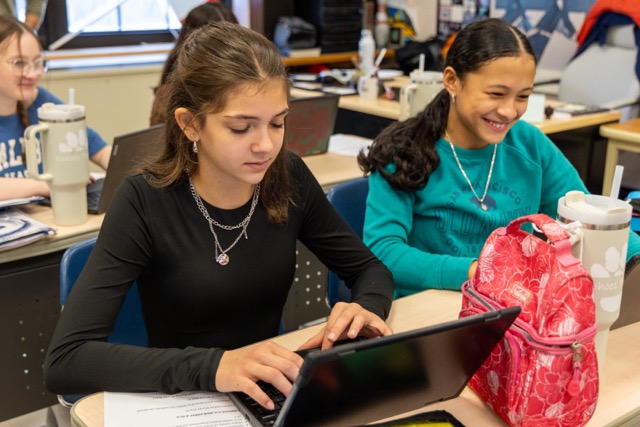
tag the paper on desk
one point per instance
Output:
(18, 229)
(20, 201)
(349, 145)
(189, 408)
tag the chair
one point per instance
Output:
(129, 327)
(611, 81)
(635, 221)
(349, 199)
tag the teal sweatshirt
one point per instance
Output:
(429, 237)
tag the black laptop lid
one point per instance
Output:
(310, 124)
(630, 304)
(370, 380)
(128, 153)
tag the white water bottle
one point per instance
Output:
(366, 51)
(381, 28)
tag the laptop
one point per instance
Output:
(310, 124)
(364, 381)
(629, 306)
(128, 152)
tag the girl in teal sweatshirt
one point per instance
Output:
(442, 181)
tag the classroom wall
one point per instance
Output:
(117, 99)
(423, 14)
(551, 26)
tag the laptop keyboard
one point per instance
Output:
(265, 416)
(94, 192)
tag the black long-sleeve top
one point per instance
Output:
(194, 308)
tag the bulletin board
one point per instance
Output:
(550, 25)
(455, 14)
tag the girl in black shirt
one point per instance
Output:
(208, 231)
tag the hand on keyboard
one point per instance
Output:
(243, 368)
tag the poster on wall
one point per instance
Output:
(455, 14)
(550, 25)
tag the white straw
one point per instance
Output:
(72, 93)
(615, 186)
(380, 57)
(421, 63)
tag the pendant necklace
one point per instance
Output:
(221, 255)
(486, 187)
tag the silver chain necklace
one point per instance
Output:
(486, 187)
(221, 254)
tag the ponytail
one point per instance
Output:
(22, 113)
(410, 146)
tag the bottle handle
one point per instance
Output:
(31, 147)
(406, 94)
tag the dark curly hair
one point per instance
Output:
(410, 145)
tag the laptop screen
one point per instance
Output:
(129, 151)
(310, 124)
(364, 381)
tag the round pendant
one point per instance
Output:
(483, 206)
(222, 259)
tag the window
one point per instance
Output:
(91, 23)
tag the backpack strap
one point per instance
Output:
(557, 235)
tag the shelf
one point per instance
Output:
(329, 58)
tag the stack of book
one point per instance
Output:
(18, 229)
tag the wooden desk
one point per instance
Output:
(29, 310)
(622, 137)
(391, 110)
(619, 400)
(328, 168)
(159, 51)
(65, 235)
(329, 58)
(577, 137)
(331, 168)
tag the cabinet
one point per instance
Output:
(29, 311)
(338, 22)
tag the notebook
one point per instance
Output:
(310, 124)
(365, 381)
(128, 152)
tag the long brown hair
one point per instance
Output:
(214, 61)
(197, 17)
(10, 27)
(411, 145)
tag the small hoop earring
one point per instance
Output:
(194, 147)
(453, 99)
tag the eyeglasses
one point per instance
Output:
(22, 67)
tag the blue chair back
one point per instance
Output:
(349, 199)
(635, 221)
(129, 327)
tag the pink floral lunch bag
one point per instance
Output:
(544, 372)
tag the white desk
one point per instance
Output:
(622, 137)
(618, 404)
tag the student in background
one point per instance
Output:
(196, 18)
(209, 233)
(21, 68)
(34, 13)
(442, 181)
